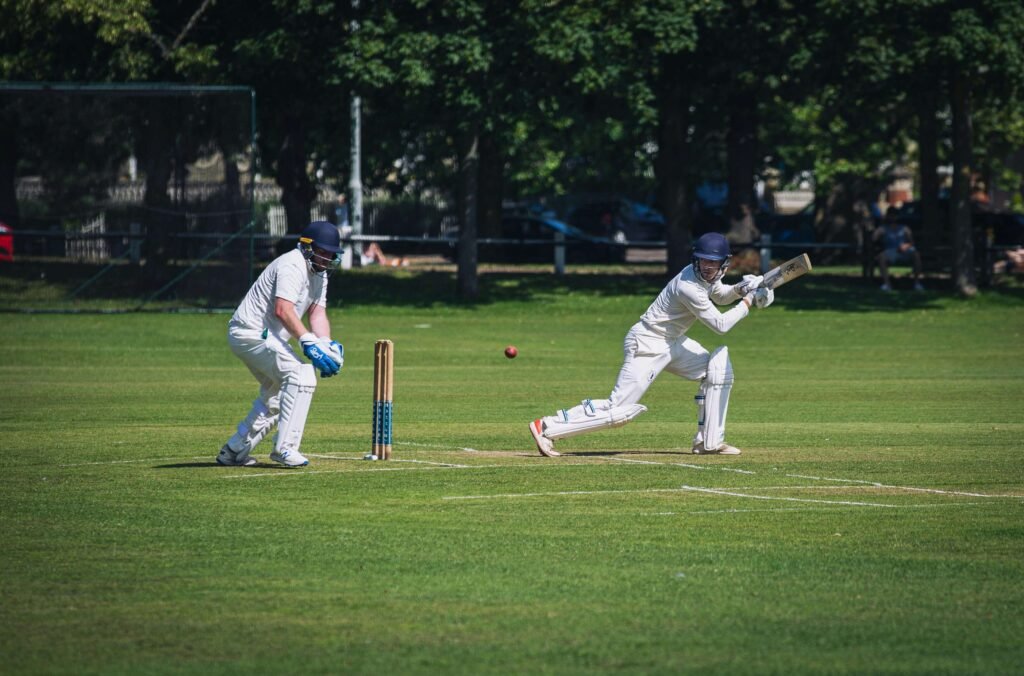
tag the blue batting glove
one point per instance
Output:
(335, 351)
(316, 355)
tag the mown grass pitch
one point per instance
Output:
(874, 523)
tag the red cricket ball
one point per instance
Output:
(511, 351)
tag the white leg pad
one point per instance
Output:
(713, 400)
(296, 396)
(589, 416)
(253, 429)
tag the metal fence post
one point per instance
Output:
(559, 252)
(766, 253)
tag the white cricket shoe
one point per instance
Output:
(230, 458)
(886, 287)
(289, 458)
(724, 449)
(544, 445)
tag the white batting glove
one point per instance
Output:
(764, 297)
(749, 283)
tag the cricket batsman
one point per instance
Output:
(659, 342)
(294, 285)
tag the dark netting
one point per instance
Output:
(127, 196)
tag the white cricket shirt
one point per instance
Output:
(287, 277)
(686, 299)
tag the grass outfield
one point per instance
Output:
(874, 523)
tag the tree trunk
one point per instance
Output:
(960, 202)
(469, 167)
(491, 185)
(297, 191)
(670, 164)
(928, 159)
(741, 144)
(155, 152)
(8, 163)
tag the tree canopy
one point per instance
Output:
(644, 99)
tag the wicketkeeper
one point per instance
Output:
(659, 342)
(292, 286)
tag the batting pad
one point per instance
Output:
(296, 396)
(253, 429)
(713, 399)
(588, 418)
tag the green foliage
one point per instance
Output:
(568, 91)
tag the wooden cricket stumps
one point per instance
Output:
(383, 391)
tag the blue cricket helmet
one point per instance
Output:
(318, 238)
(322, 235)
(711, 246)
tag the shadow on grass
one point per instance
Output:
(213, 463)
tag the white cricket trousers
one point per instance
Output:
(646, 354)
(270, 361)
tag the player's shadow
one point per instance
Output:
(677, 451)
(213, 463)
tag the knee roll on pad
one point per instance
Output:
(719, 367)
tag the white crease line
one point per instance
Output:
(285, 472)
(647, 462)
(803, 509)
(422, 462)
(683, 464)
(557, 493)
(444, 446)
(378, 468)
(770, 497)
(905, 488)
(123, 462)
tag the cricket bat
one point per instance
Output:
(787, 272)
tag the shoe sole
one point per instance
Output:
(537, 436)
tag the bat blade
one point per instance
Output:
(787, 272)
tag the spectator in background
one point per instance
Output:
(744, 237)
(742, 229)
(372, 254)
(897, 248)
(1012, 263)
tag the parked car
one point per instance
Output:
(520, 229)
(618, 219)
